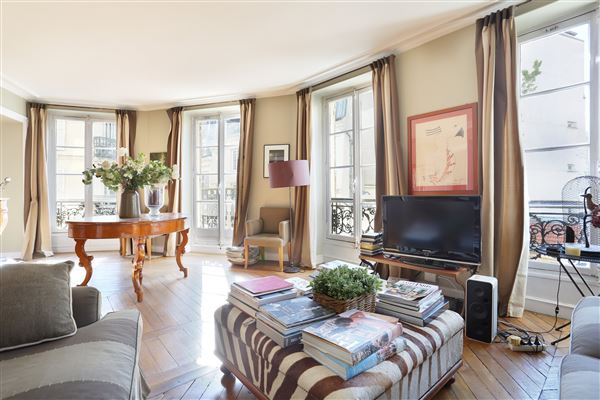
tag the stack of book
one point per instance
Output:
(284, 321)
(353, 342)
(235, 255)
(371, 244)
(248, 296)
(411, 302)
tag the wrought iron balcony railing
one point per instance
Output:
(342, 216)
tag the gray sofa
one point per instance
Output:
(100, 361)
(580, 369)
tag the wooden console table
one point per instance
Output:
(138, 229)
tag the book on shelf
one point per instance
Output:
(267, 284)
(352, 336)
(370, 246)
(347, 371)
(277, 337)
(411, 319)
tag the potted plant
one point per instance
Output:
(346, 288)
(130, 176)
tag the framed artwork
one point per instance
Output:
(274, 153)
(442, 155)
(162, 156)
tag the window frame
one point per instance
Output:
(88, 119)
(354, 93)
(218, 236)
(551, 28)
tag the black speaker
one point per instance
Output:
(482, 308)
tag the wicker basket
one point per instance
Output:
(366, 302)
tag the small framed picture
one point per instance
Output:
(274, 153)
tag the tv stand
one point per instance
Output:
(427, 263)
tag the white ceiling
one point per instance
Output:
(149, 55)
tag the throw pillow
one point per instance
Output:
(35, 304)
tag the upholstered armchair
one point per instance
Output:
(272, 229)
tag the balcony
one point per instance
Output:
(342, 217)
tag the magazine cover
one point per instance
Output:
(296, 311)
(356, 332)
(409, 291)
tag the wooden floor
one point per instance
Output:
(178, 342)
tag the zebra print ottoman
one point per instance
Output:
(432, 356)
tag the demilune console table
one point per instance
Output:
(138, 229)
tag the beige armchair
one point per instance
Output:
(272, 229)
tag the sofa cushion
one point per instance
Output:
(585, 327)
(35, 304)
(579, 377)
(99, 362)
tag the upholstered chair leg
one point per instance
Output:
(245, 254)
(281, 258)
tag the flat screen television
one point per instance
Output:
(435, 227)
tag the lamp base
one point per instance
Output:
(291, 268)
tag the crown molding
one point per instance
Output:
(19, 90)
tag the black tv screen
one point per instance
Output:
(440, 227)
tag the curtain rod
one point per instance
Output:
(81, 108)
(342, 77)
(210, 105)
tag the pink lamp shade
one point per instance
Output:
(289, 173)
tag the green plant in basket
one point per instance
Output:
(344, 283)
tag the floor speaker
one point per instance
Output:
(482, 308)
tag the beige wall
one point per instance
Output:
(12, 102)
(152, 132)
(275, 124)
(436, 75)
(12, 147)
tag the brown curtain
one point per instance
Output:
(244, 169)
(301, 254)
(37, 239)
(503, 198)
(388, 161)
(126, 124)
(174, 161)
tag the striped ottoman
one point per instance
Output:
(432, 356)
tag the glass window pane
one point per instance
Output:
(341, 149)
(561, 165)
(230, 187)
(368, 217)
(365, 103)
(104, 141)
(555, 119)
(231, 159)
(341, 182)
(207, 160)
(70, 132)
(69, 187)
(229, 215)
(70, 160)
(207, 133)
(340, 115)
(557, 60)
(66, 211)
(342, 217)
(367, 175)
(207, 215)
(232, 132)
(102, 207)
(207, 187)
(367, 147)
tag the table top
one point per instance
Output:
(438, 271)
(114, 219)
(558, 251)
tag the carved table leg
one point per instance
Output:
(180, 250)
(85, 260)
(138, 264)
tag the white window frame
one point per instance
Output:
(594, 83)
(357, 184)
(88, 119)
(207, 236)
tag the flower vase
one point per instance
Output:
(129, 207)
(154, 198)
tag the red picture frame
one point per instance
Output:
(447, 178)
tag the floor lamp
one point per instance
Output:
(289, 174)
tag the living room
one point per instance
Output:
(165, 155)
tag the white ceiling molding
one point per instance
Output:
(17, 89)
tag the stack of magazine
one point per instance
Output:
(284, 321)
(415, 303)
(371, 244)
(353, 342)
(248, 296)
(235, 255)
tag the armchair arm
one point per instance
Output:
(254, 227)
(87, 305)
(284, 231)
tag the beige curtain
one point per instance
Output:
(126, 124)
(244, 169)
(302, 255)
(503, 197)
(174, 161)
(388, 164)
(37, 239)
